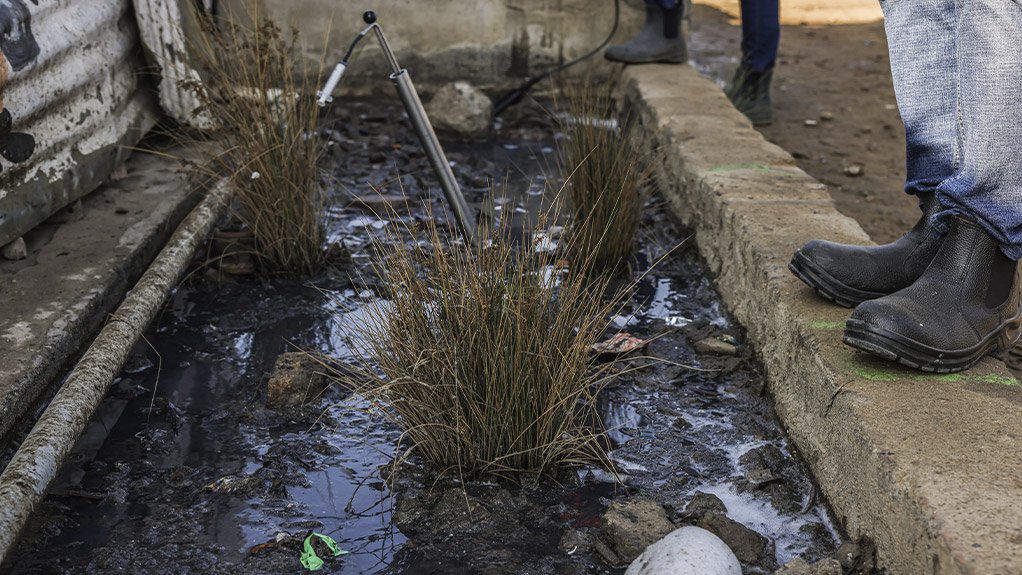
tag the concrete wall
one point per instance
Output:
(69, 80)
(488, 42)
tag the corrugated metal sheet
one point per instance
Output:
(73, 88)
(165, 28)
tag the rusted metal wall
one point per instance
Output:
(70, 75)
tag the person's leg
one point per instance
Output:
(923, 53)
(922, 46)
(987, 186)
(761, 34)
(660, 40)
(967, 302)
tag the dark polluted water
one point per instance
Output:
(185, 470)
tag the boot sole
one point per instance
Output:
(650, 61)
(827, 285)
(681, 58)
(906, 351)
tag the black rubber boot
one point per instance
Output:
(964, 307)
(849, 275)
(660, 40)
(749, 91)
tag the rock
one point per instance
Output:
(575, 540)
(381, 204)
(811, 123)
(854, 170)
(16, 250)
(296, 379)
(826, 116)
(715, 346)
(768, 456)
(703, 503)
(687, 551)
(462, 109)
(750, 547)
(629, 526)
(855, 557)
(455, 509)
(801, 567)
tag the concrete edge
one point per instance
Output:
(35, 365)
(930, 477)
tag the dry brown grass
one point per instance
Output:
(606, 174)
(256, 89)
(484, 355)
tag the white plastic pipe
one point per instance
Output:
(38, 459)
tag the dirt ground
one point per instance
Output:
(837, 75)
(834, 105)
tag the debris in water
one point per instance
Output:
(619, 345)
(231, 484)
(716, 346)
(677, 321)
(310, 560)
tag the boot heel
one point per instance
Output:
(1012, 335)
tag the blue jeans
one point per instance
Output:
(957, 68)
(761, 31)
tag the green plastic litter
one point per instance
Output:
(310, 560)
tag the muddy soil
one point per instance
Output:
(185, 470)
(838, 77)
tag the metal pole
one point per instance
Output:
(417, 114)
(431, 145)
(23, 483)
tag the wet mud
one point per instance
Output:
(185, 470)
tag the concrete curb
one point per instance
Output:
(929, 467)
(24, 481)
(56, 304)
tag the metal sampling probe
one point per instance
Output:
(417, 115)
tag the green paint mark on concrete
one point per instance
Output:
(828, 325)
(998, 380)
(944, 378)
(876, 374)
(737, 167)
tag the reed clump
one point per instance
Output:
(256, 90)
(606, 175)
(483, 355)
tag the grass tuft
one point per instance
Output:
(483, 353)
(256, 90)
(606, 174)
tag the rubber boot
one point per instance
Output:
(749, 91)
(964, 307)
(660, 40)
(849, 275)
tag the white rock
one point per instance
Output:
(461, 108)
(687, 551)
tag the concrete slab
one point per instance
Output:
(928, 467)
(77, 272)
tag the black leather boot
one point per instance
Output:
(749, 91)
(964, 307)
(661, 40)
(849, 275)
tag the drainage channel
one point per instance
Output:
(185, 470)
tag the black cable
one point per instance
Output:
(351, 49)
(516, 95)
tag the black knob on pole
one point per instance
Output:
(369, 17)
